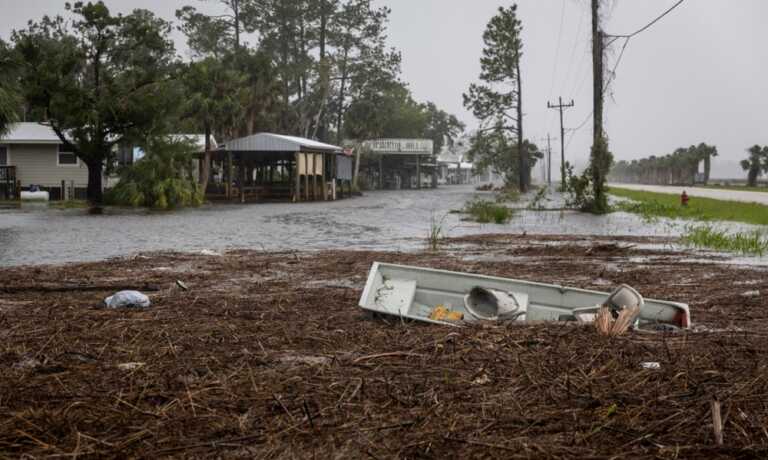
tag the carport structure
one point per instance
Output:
(399, 163)
(268, 166)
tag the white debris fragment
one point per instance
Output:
(650, 365)
(127, 299)
(130, 366)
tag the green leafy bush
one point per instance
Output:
(163, 179)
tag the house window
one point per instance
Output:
(3, 156)
(66, 158)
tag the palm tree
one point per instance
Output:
(216, 99)
(756, 164)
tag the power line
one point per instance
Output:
(557, 53)
(647, 26)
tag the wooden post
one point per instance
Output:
(306, 177)
(297, 179)
(418, 172)
(18, 190)
(381, 172)
(229, 176)
(241, 165)
(324, 185)
(63, 190)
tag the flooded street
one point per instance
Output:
(385, 220)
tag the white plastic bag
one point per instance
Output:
(127, 299)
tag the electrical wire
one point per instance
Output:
(612, 76)
(647, 26)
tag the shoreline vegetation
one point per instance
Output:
(653, 204)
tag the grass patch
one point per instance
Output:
(69, 204)
(653, 205)
(751, 243)
(484, 211)
(436, 232)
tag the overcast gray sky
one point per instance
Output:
(699, 75)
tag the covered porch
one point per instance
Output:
(399, 164)
(274, 167)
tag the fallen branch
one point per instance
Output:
(77, 288)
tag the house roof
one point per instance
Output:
(268, 142)
(30, 133)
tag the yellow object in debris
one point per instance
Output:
(440, 313)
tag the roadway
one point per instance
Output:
(717, 194)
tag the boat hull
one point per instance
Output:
(414, 292)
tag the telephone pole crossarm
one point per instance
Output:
(560, 106)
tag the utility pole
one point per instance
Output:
(597, 69)
(560, 106)
(549, 160)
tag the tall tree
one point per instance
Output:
(357, 35)
(497, 103)
(756, 164)
(99, 81)
(10, 97)
(221, 34)
(216, 98)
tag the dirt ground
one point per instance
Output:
(267, 355)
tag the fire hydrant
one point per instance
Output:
(684, 199)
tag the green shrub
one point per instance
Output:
(163, 179)
(484, 211)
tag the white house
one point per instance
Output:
(39, 159)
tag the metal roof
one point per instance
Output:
(30, 133)
(268, 142)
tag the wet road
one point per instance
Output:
(387, 220)
(717, 194)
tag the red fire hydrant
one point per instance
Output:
(684, 199)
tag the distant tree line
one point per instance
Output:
(317, 68)
(678, 168)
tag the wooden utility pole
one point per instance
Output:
(597, 72)
(560, 106)
(600, 159)
(549, 160)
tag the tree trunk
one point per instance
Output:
(707, 168)
(340, 110)
(358, 147)
(95, 193)
(321, 131)
(522, 155)
(752, 178)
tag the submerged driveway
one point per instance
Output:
(717, 194)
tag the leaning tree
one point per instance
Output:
(497, 102)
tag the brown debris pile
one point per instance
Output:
(267, 355)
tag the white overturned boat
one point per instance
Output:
(450, 298)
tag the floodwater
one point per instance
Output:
(384, 220)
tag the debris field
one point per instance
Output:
(262, 354)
